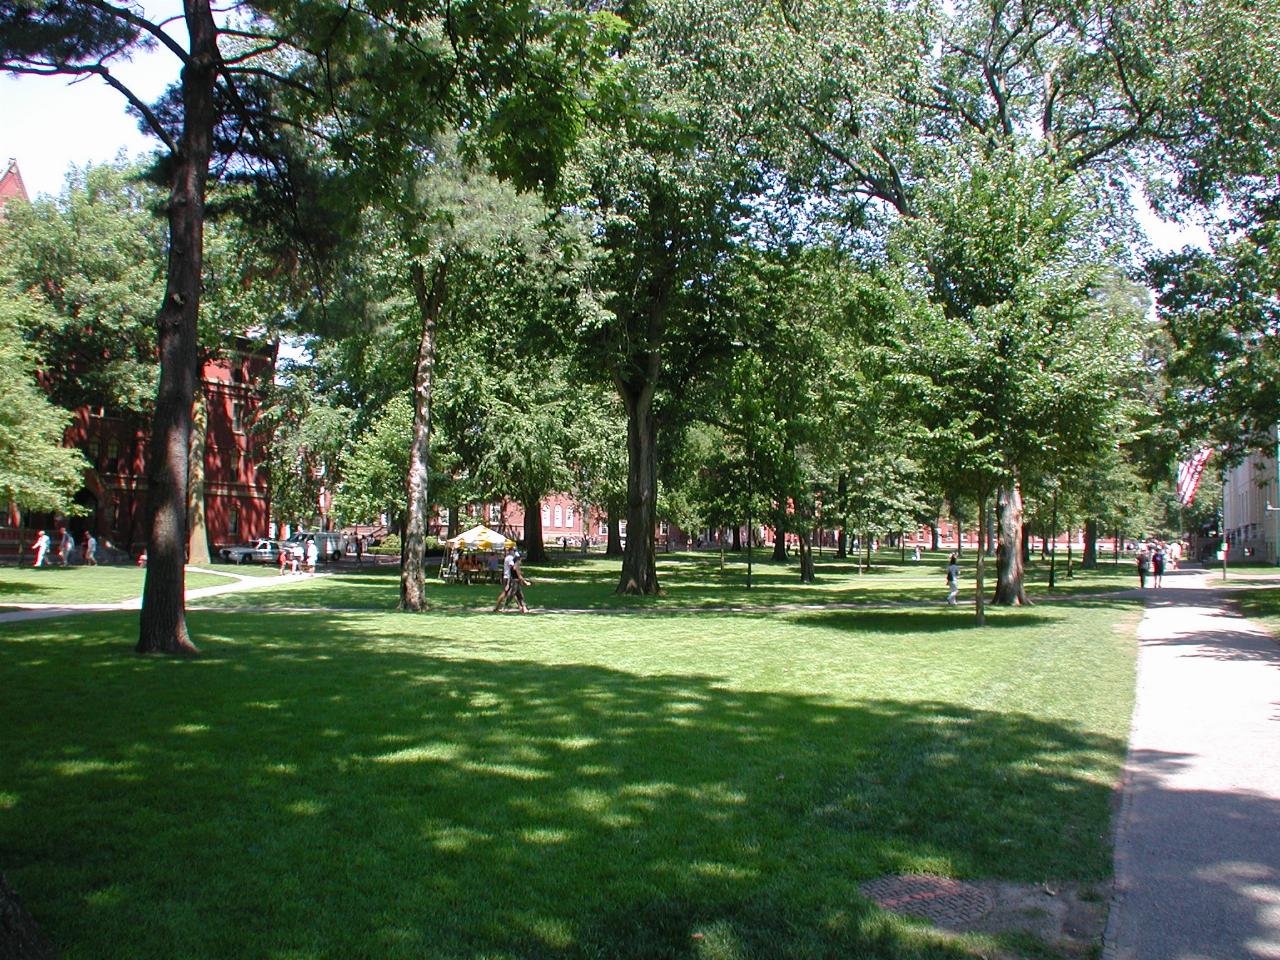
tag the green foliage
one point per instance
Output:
(373, 467)
(1025, 362)
(1222, 310)
(305, 439)
(96, 256)
(36, 471)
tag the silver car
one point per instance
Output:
(260, 551)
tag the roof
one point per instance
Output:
(11, 185)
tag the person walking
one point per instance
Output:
(90, 549)
(313, 555)
(1157, 566)
(41, 547)
(1144, 566)
(66, 545)
(953, 579)
(359, 550)
(513, 583)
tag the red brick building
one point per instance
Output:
(237, 499)
(236, 496)
(11, 186)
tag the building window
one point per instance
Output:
(233, 521)
(604, 528)
(91, 450)
(663, 528)
(495, 513)
(237, 416)
(568, 516)
(558, 517)
(546, 515)
(113, 454)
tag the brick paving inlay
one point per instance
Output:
(948, 903)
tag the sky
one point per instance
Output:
(50, 126)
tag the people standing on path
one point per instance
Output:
(295, 557)
(1157, 566)
(513, 583)
(41, 547)
(1144, 566)
(313, 555)
(90, 549)
(285, 551)
(953, 579)
(359, 551)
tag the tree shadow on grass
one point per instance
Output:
(336, 792)
(902, 621)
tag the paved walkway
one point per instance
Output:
(1198, 836)
(238, 582)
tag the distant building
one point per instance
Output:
(11, 186)
(1251, 529)
(237, 497)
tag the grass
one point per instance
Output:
(690, 580)
(453, 785)
(79, 584)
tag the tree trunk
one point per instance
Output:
(639, 562)
(1026, 544)
(1053, 543)
(162, 624)
(454, 524)
(935, 540)
(979, 587)
(535, 549)
(20, 937)
(430, 299)
(1010, 588)
(807, 572)
(737, 538)
(613, 545)
(842, 494)
(779, 535)
(1090, 559)
(198, 535)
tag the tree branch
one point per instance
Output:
(128, 16)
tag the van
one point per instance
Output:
(331, 545)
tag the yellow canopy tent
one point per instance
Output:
(480, 538)
(462, 562)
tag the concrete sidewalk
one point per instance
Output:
(238, 582)
(1198, 835)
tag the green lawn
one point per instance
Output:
(689, 581)
(1261, 603)
(461, 785)
(79, 584)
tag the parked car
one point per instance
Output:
(260, 551)
(330, 543)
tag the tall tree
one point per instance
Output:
(659, 179)
(496, 67)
